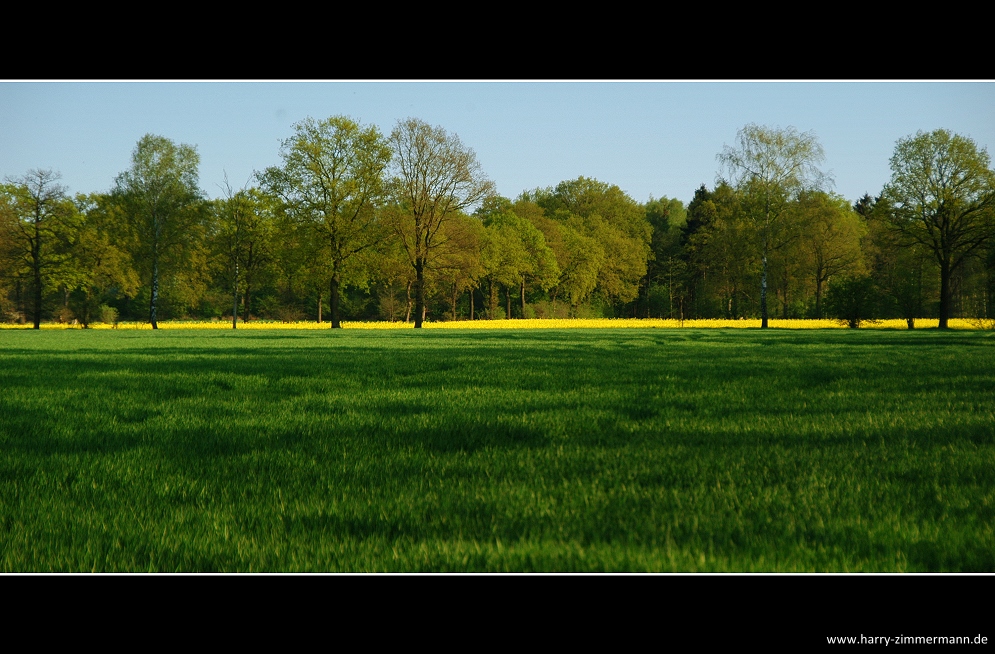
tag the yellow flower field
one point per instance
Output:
(574, 323)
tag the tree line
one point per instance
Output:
(355, 224)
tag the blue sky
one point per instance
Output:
(656, 138)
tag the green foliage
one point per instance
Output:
(665, 265)
(852, 299)
(459, 262)
(772, 164)
(585, 259)
(503, 260)
(604, 238)
(587, 197)
(434, 178)
(163, 208)
(905, 272)
(830, 237)
(108, 315)
(530, 260)
(665, 215)
(328, 222)
(721, 265)
(942, 198)
(37, 213)
(99, 269)
(769, 167)
(332, 183)
(515, 253)
(243, 239)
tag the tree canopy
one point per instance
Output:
(769, 167)
(332, 180)
(37, 203)
(942, 194)
(434, 178)
(409, 227)
(162, 204)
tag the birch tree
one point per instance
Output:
(769, 167)
(162, 202)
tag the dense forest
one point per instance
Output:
(358, 225)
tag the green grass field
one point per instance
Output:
(517, 450)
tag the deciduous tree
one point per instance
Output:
(332, 179)
(717, 258)
(98, 269)
(667, 217)
(459, 266)
(241, 237)
(582, 257)
(831, 233)
(942, 194)
(435, 178)
(39, 204)
(617, 223)
(163, 207)
(525, 259)
(504, 260)
(899, 271)
(769, 167)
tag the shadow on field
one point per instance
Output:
(359, 527)
(866, 338)
(469, 437)
(963, 556)
(465, 392)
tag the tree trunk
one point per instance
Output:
(319, 305)
(507, 298)
(87, 303)
(818, 297)
(670, 292)
(763, 295)
(492, 297)
(419, 292)
(944, 294)
(154, 298)
(407, 314)
(248, 298)
(252, 261)
(234, 299)
(649, 287)
(471, 304)
(333, 301)
(523, 299)
(36, 275)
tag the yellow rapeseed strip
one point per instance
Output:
(538, 323)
